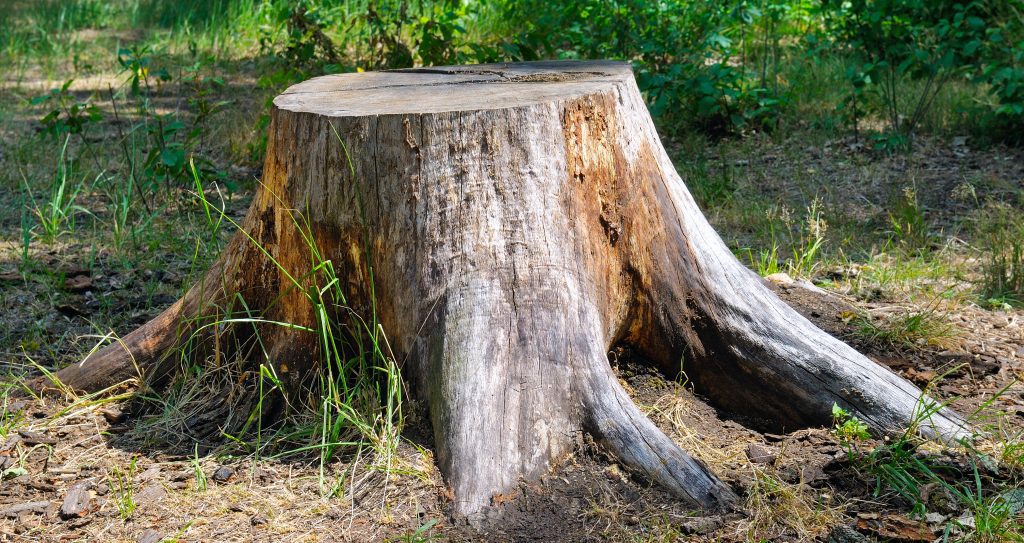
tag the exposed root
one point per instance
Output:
(638, 443)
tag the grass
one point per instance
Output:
(197, 471)
(122, 489)
(907, 328)
(56, 216)
(1001, 245)
(902, 466)
(778, 508)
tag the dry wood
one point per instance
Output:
(76, 501)
(520, 219)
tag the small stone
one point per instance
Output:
(149, 474)
(846, 534)
(759, 454)
(150, 496)
(113, 415)
(150, 536)
(701, 525)
(780, 278)
(223, 474)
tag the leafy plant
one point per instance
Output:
(67, 114)
(850, 430)
(896, 41)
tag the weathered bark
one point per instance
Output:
(521, 219)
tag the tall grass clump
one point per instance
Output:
(56, 215)
(344, 402)
(1000, 239)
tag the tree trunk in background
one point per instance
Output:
(519, 219)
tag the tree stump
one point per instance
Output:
(518, 220)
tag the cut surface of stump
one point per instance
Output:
(519, 220)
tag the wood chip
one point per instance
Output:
(78, 283)
(896, 527)
(113, 415)
(28, 507)
(36, 438)
(76, 501)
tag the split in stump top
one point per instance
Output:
(451, 88)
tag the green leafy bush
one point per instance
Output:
(687, 56)
(895, 42)
(1001, 69)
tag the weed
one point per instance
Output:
(422, 534)
(767, 260)
(908, 221)
(197, 470)
(1000, 240)
(848, 429)
(66, 115)
(57, 215)
(810, 238)
(122, 489)
(989, 518)
(908, 328)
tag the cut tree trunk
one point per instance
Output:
(519, 220)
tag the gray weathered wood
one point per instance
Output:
(522, 219)
(76, 501)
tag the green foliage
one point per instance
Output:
(895, 41)
(66, 114)
(688, 58)
(169, 140)
(848, 429)
(56, 215)
(1000, 67)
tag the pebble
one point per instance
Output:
(759, 454)
(223, 474)
(150, 536)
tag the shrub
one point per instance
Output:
(688, 56)
(896, 41)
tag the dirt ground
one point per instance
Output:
(799, 483)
